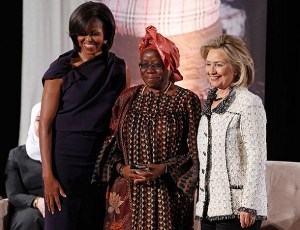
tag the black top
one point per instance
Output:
(88, 91)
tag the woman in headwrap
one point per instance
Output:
(23, 182)
(150, 161)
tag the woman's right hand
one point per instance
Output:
(49, 108)
(130, 174)
(52, 190)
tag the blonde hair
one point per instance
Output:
(238, 56)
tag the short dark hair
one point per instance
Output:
(83, 14)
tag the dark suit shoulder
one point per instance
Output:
(18, 153)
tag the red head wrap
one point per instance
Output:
(167, 50)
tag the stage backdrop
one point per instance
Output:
(187, 23)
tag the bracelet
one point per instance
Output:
(35, 202)
(121, 170)
(166, 168)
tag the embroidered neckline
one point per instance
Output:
(222, 107)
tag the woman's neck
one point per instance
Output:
(221, 94)
(165, 90)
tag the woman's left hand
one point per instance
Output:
(151, 174)
(247, 219)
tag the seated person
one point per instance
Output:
(23, 180)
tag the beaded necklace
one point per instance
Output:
(165, 91)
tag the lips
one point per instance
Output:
(214, 78)
(89, 45)
(152, 76)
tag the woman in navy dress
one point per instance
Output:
(80, 88)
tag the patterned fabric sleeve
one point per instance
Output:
(108, 157)
(184, 169)
(110, 154)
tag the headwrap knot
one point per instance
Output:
(167, 50)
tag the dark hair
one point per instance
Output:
(81, 17)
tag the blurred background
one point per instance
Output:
(35, 32)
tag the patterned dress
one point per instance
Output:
(155, 129)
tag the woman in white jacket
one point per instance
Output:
(231, 141)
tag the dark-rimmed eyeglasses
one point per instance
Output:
(157, 66)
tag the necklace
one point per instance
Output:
(168, 87)
(165, 91)
(216, 98)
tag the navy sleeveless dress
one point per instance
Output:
(80, 127)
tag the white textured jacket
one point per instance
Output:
(232, 174)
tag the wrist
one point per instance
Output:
(120, 171)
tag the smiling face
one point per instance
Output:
(153, 71)
(92, 40)
(219, 70)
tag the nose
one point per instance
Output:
(150, 67)
(88, 37)
(212, 70)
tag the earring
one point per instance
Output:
(105, 42)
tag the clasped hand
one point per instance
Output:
(143, 176)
